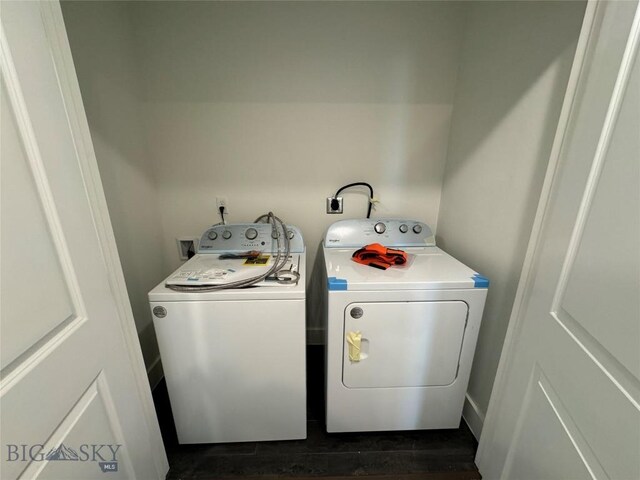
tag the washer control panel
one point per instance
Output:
(391, 232)
(240, 237)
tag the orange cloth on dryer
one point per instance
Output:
(379, 256)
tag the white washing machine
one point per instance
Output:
(234, 360)
(416, 325)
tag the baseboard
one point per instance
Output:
(473, 416)
(155, 372)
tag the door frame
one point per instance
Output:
(527, 277)
(60, 49)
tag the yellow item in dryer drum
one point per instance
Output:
(354, 339)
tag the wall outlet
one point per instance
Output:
(334, 204)
(222, 202)
(187, 245)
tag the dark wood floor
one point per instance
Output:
(427, 454)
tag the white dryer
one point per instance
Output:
(416, 327)
(234, 359)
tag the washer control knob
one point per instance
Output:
(379, 227)
(251, 233)
(417, 228)
(291, 234)
(212, 235)
(275, 233)
(226, 234)
(404, 228)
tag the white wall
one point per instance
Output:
(275, 105)
(101, 40)
(514, 70)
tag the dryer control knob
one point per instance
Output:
(403, 228)
(212, 235)
(379, 227)
(417, 228)
(291, 234)
(226, 234)
(251, 233)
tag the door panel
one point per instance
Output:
(405, 344)
(92, 417)
(544, 432)
(575, 329)
(603, 279)
(603, 412)
(46, 303)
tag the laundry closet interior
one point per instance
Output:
(448, 109)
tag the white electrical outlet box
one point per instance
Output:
(185, 244)
(334, 204)
(222, 202)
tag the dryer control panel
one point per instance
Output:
(240, 237)
(390, 232)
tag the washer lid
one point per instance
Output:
(428, 268)
(267, 290)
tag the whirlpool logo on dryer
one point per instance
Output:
(105, 455)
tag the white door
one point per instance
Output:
(566, 404)
(73, 391)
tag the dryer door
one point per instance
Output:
(403, 344)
